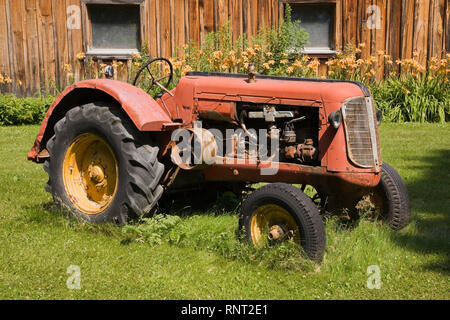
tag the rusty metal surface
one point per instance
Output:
(145, 113)
(291, 173)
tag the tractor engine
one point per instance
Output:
(294, 128)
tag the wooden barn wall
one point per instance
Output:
(36, 43)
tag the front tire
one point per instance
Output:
(101, 168)
(280, 211)
(391, 199)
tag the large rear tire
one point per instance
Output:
(101, 168)
(281, 211)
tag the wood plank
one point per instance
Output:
(208, 16)
(349, 8)
(436, 29)
(407, 28)
(201, 22)
(4, 47)
(19, 45)
(338, 26)
(393, 29)
(194, 22)
(222, 17)
(245, 16)
(12, 67)
(158, 28)
(447, 27)
(33, 57)
(379, 36)
(152, 37)
(180, 25)
(253, 22)
(145, 25)
(61, 45)
(236, 22)
(173, 20)
(421, 17)
(165, 13)
(366, 33)
(264, 19)
(46, 43)
(275, 12)
(75, 41)
(186, 21)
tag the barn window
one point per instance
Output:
(318, 19)
(113, 29)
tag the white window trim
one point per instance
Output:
(319, 50)
(111, 53)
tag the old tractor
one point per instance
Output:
(112, 151)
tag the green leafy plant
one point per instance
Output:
(154, 231)
(19, 111)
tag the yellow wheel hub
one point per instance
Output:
(274, 223)
(90, 174)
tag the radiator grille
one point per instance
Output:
(361, 132)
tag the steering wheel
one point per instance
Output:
(156, 80)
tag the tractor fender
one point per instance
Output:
(143, 110)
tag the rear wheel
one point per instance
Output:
(101, 168)
(278, 212)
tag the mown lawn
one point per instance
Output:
(38, 244)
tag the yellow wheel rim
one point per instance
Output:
(90, 174)
(272, 222)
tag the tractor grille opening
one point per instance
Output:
(361, 132)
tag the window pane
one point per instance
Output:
(115, 27)
(317, 21)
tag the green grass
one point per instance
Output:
(201, 258)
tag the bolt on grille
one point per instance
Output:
(361, 132)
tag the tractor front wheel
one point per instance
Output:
(390, 199)
(100, 167)
(278, 212)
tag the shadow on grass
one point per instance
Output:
(429, 196)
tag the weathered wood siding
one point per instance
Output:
(35, 42)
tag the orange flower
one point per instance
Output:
(81, 56)
(217, 54)
(67, 67)
(186, 69)
(135, 56)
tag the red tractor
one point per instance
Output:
(112, 152)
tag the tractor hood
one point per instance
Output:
(273, 90)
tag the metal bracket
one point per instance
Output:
(270, 114)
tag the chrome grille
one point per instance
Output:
(361, 132)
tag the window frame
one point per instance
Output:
(109, 53)
(335, 33)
